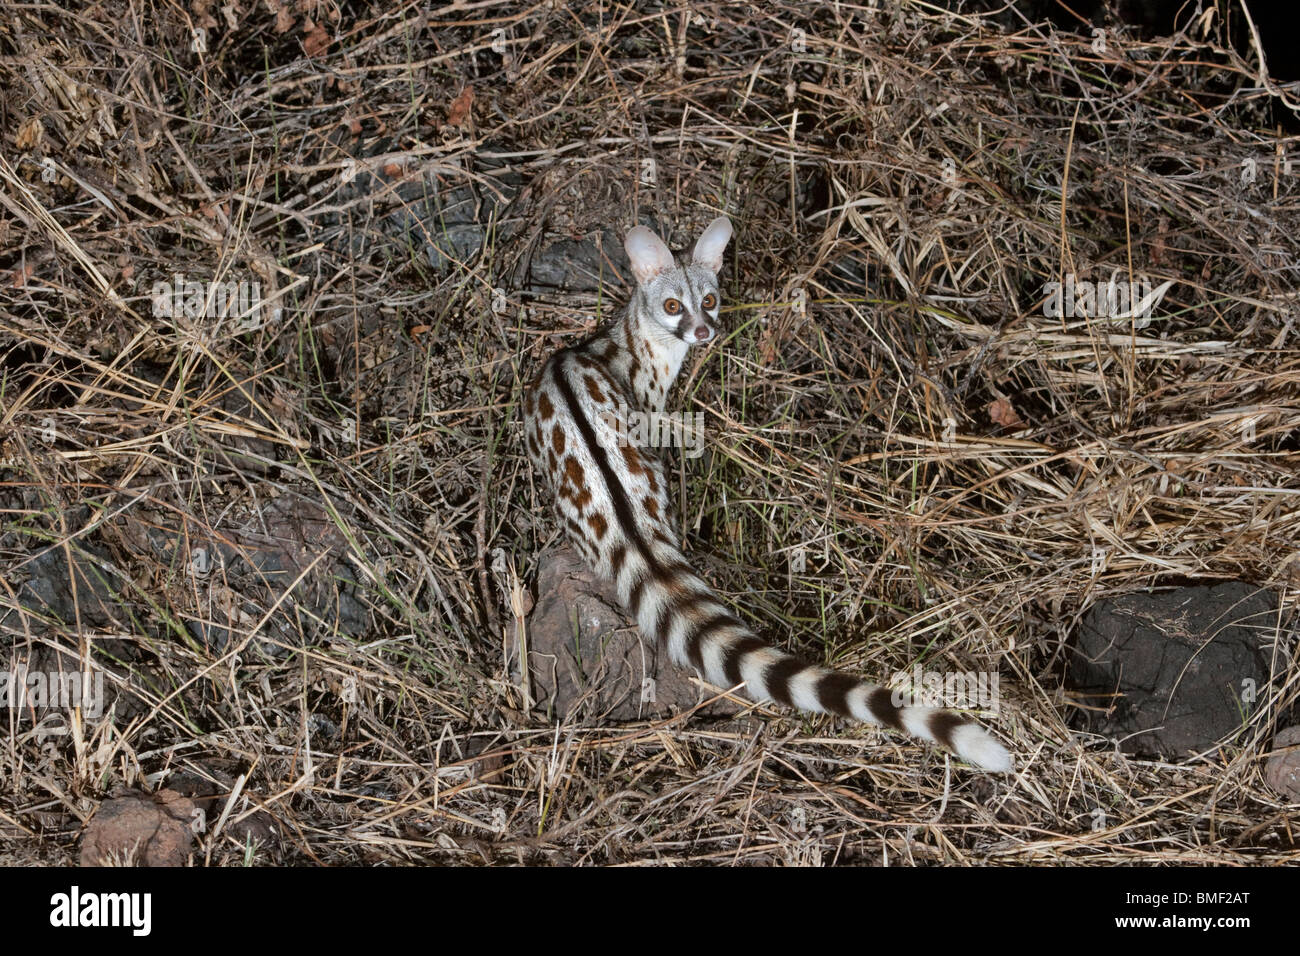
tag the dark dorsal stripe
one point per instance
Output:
(617, 493)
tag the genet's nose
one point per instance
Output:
(703, 333)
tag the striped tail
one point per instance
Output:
(673, 603)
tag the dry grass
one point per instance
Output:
(962, 474)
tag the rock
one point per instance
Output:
(209, 789)
(579, 265)
(586, 660)
(248, 404)
(1167, 672)
(44, 684)
(49, 589)
(140, 829)
(1282, 772)
(245, 566)
(448, 214)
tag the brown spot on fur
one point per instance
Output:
(598, 525)
(636, 465)
(573, 471)
(577, 489)
(652, 507)
(557, 438)
(593, 389)
(544, 406)
(552, 460)
(533, 448)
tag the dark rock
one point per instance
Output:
(1172, 672)
(82, 590)
(447, 214)
(44, 684)
(587, 264)
(579, 265)
(209, 790)
(452, 216)
(240, 451)
(248, 563)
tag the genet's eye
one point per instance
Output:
(672, 306)
(709, 302)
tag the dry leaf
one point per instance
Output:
(459, 111)
(203, 18)
(283, 20)
(30, 134)
(1002, 413)
(316, 41)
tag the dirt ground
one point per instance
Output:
(272, 276)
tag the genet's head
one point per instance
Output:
(683, 298)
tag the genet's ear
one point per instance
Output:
(714, 239)
(648, 253)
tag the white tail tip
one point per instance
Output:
(975, 746)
